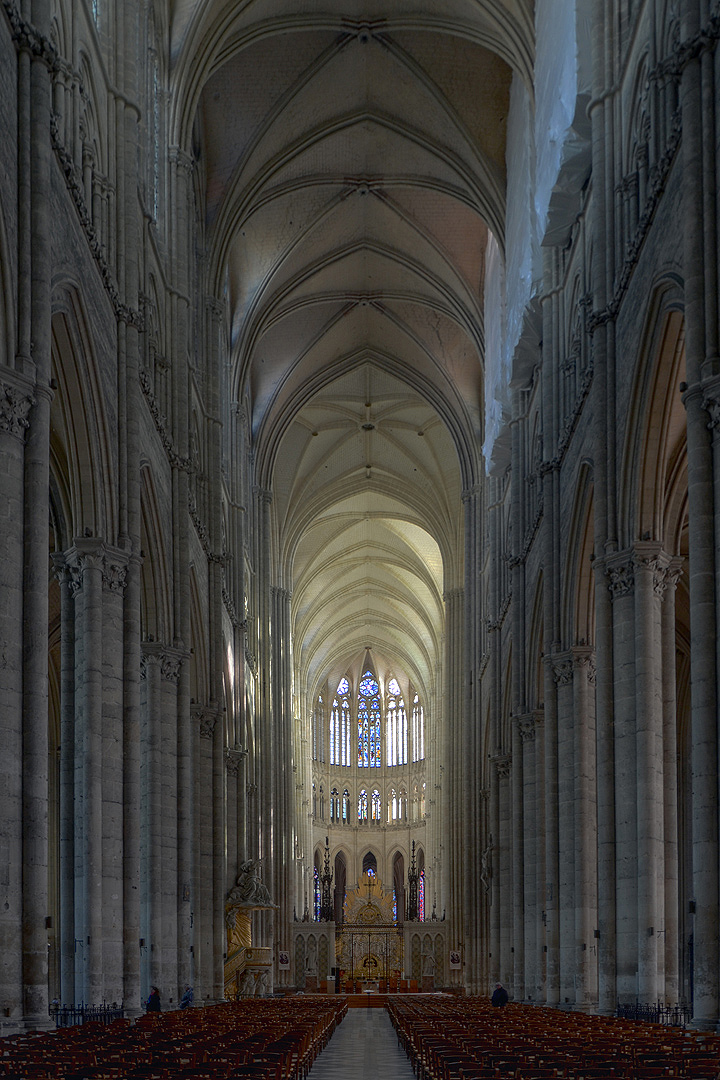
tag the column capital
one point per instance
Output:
(233, 758)
(620, 571)
(15, 405)
(583, 658)
(502, 763)
(526, 727)
(649, 557)
(206, 719)
(562, 669)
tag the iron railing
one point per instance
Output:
(678, 1015)
(74, 1015)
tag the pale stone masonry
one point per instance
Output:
(362, 340)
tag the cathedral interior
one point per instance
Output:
(360, 500)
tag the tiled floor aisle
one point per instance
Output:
(363, 1047)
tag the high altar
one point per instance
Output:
(369, 945)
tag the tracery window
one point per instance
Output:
(318, 732)
(418, 730)
(346, 807)
(322, 803)
(314, 801)
(340, 725)
(369, 864)
(335, 805)
(376, 805)
(369, 749)
(363, 805)
(396, 726)
(393, 806)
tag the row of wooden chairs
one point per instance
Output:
(468, 1039)
(267, 1039)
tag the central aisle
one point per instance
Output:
(363, 1046)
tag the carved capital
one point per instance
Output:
(114, 576)
(526, 728)
(584, 662)
(170, 666)
(562, 670)
(206, 719)
(621, 578)
(502, 763)
(15, 404)
(233, 758)
(648, 557)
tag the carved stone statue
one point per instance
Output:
(248, 892)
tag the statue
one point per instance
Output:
(248, 892)
(486, 865)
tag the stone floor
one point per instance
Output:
(364, 1046)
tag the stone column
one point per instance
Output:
(475, 826)
(151, 777)
(504, 864)
(585, 813)
(67, 782)
(526, 731)
(16, 399)
(551, 909)
(622, 584)
(170, 896)
(563, 674)
(454, 808)
(87, 561)
(539, 988)
(35, 269)
(605, 757)
(516, 841)
(649, 568)
(670, 881)
(205, 720)
(699, 257)
(114, 580)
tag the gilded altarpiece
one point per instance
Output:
(369, 945)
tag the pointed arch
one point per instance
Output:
(80, 438)
(155, 617)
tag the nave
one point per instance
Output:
(431, 1037)
(363, 1045)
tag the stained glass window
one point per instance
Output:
(396, 725)
(335, 805)
(335, 733)
(346, 807)
(363, 806)
(369, 750)
(418, 732)
(316, 894)
(376, 805)
(319, 731)
(340, 725)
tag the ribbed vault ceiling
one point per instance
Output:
(353, 160)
